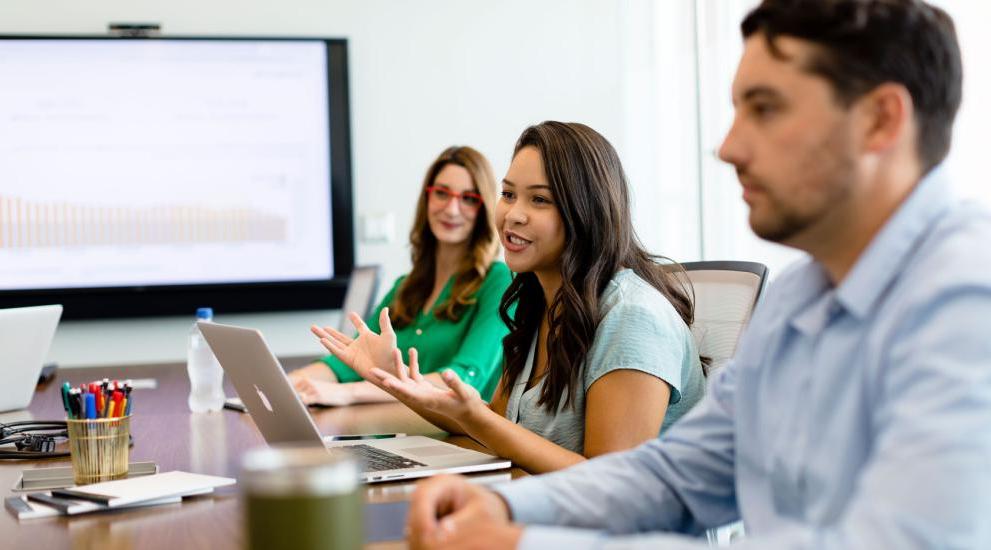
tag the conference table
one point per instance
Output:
(165, 432)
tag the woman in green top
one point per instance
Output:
(447, 307)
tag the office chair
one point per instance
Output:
(725, 296)
(360, 297)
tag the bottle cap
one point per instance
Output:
(204, 313)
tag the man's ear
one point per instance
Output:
(887, 114)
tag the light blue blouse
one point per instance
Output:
(641, 331)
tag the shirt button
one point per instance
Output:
(419, 331)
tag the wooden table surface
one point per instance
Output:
(166, 432)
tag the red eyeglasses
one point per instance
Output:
(442, 195)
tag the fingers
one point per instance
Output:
(401, 369)
(359, 325)
(404, 392)
(433, 499)
(330, 333)
(306, 391)
(452, 381)
(339, 336)
(414, 365)
(335, 348)
(385, 324)
(326, 333)
(457, 521)
(382, 378)
(320, 332)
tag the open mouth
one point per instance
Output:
(513, 242)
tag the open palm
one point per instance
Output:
(456, 401)
(367, 350)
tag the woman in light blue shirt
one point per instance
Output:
(599, 357)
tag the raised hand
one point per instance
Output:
(366, 351)
(457, 401)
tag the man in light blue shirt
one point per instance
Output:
(857, 411)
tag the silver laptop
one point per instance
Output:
(281, 416)
(25, 335)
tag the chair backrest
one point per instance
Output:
(725, 296)
(362, 287)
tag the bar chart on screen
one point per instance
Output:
(243, 223)
(37, 224)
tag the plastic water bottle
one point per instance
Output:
(206, 377)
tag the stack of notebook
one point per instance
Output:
(152, 490)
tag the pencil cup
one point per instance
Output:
(302, 498)
(99, 448)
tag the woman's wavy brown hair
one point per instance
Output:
(482, 248)
(591, 195)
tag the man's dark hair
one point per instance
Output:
(866, 43)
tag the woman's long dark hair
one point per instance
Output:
(591, 195)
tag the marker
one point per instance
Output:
(90, 406)
(65, 399)
(74, 402)
(117, 405)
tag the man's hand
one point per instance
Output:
(449, 512)
(486, 535)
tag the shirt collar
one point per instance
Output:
(893, 246)
(808, 284)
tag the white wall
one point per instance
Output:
(726, 232)
(967, 162)
(424, 75)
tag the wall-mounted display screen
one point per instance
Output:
(161, 174)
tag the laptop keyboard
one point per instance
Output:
(377, 460)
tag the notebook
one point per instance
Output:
(124, 492)
(43, 505)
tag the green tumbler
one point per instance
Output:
(302, 498)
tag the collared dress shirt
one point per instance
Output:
(853, 416)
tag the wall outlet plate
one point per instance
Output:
(378, 227)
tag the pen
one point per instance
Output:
(107, 402)
(65, 399)
(127, 398)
